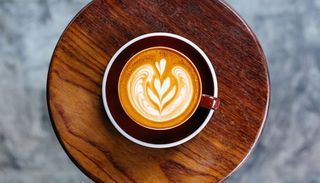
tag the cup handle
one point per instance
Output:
(209, 102)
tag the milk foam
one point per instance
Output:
(158, 96)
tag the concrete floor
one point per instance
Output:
(288, 152)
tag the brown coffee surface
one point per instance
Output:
(159, 88)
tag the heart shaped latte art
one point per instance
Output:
(159, 93)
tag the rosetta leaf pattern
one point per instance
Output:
(153, 96)
(169, 96)
(163, 91)
(159, 91)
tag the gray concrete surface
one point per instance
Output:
(288, 152)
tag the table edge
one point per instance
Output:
(57, 133)
(263, 124)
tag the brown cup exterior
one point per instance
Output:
(149, 135)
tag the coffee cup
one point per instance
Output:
(157, 86)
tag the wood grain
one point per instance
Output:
(75, 103)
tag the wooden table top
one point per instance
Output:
(75, 102)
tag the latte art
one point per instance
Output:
(158, 95)
(159, 88)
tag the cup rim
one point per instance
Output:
(104, 96)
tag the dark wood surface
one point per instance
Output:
(75, 102)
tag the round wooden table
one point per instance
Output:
(80, 121)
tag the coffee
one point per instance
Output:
(159, 88)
